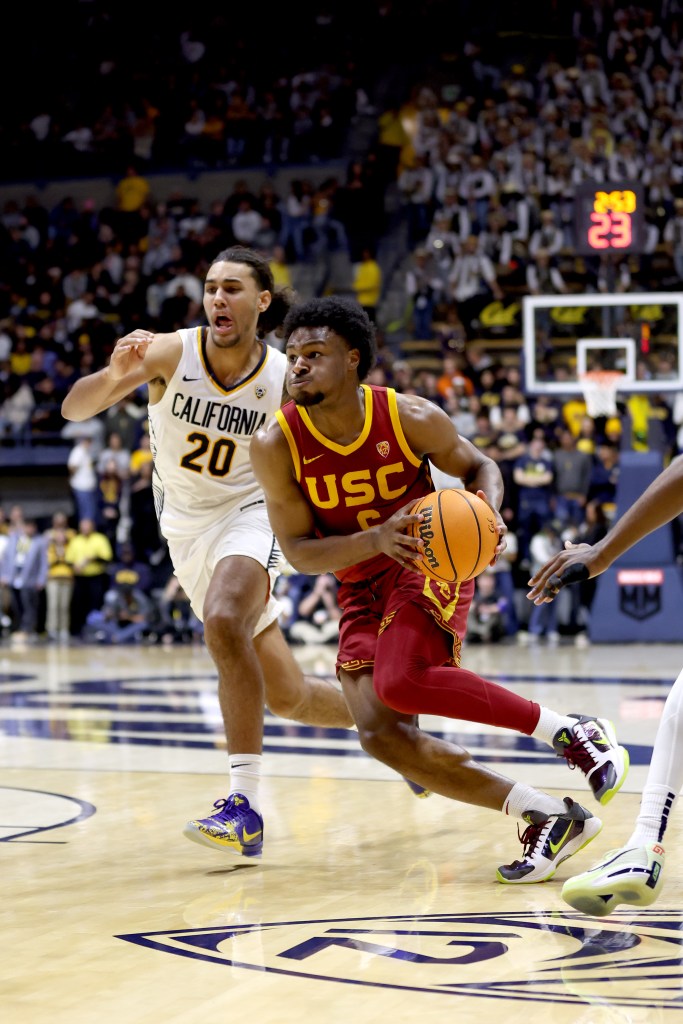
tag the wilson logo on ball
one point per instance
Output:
(427, 534)
(459, 534)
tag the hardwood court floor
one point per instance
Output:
(369, 905)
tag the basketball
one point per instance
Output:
(460, 535)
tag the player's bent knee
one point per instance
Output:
(378, 739)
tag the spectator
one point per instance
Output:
(544, 545)
(533, 475)
(510, 445)
(367, 282)
(125, 419)
(279, 267)
(16, 408)
(127, 568)
(673, 238)
(125, 616)
(144, 532)
(416, 186)
(487, 617)
(472, 283)
(423, 287)
(246, 223)
(23, 571)
(298, 219)
(593, 528)
(90, 554)
(442, 243)
(110, 496)
(316, 619)
(548, 237)
(573, 470)
(83, 479)
(329, 231)
(132, 192)
(477, 186)
(543, 277)
(60, 580)
(115, 451)
(177, 621)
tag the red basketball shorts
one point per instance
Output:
(369, 606)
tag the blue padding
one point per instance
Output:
(637, 470)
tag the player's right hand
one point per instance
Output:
(395, 542)
(129, 352)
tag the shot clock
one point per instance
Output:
(609, 218)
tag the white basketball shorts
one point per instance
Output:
(245, 532)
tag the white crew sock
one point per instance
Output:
(665, 774)
(656, 805)
(550, 723)
(523, 798)
(245, 776)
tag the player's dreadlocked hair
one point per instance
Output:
(343, 316)
(282, 300)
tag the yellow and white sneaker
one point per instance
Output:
(630, 875)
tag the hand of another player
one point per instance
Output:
(396, 542)
(578, 562)
(129, 352)
(501, 526)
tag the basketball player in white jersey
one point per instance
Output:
(210, 389)
(634, 872)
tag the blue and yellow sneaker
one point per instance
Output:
(234, 826)
(629, 875)
(591, 746)
(548, 840)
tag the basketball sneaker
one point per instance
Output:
(632, 875)
(234, 826)
(591, 745)
(416, 788)
(547, 841)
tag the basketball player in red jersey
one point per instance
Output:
(341, 466)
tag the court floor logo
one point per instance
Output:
(26, 814)
(632, 959)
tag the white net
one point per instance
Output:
(600, 391)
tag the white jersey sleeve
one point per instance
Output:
(200, 434)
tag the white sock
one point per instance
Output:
(245, 776)
(549, 724)
(523, 798)
(665, 774)
(656, 805)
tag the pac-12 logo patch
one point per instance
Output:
(260, 391)
(383, 447)
(541, 957)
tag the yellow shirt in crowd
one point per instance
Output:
(89, 554)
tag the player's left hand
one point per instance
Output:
(501, 527)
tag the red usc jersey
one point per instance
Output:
(355, 486)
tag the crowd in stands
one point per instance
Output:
(482, 158)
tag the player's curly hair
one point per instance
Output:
(343, 316)
(282, 299)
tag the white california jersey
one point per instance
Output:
(200, 433)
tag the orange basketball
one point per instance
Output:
(460, 535)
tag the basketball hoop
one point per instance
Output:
(600, 391)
